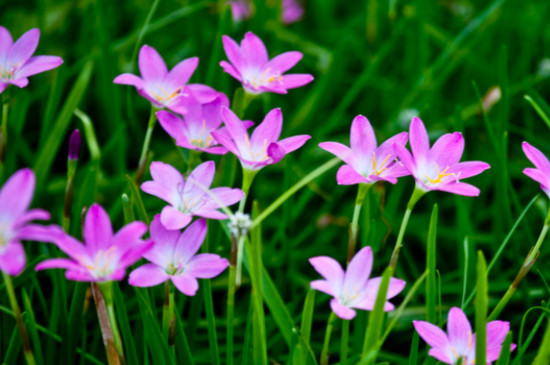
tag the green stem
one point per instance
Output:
(345, 342)
(105, 325)
(146, 142)
(294, 188)
(168, 319)
(242, 100)
(231, 301)
(354, 227)
(416, 195)
(248, 177)
(193, 161)
(27, 350)
(526, 267)
(4, 133)
(107, 291)
(330, 325)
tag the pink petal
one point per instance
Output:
(448, 149)
(166, 193)
(371, 292)
(325, 287)
(284, 61)
(23, 48)
(98, 231)
(233, 51)
(362, 138)
(33, 214)
(347, 175)
(190, 241)
(80, 275)
(496, 334)
(293, 143)
(35, 232)
(269, 130)
(440, 355)
(253, 50)
(433, 335)
(225, 140)
(186, 284)
(3, 86)
(174, 219)
(12, 258)
(387, 147)
(275, 152)
(203, 93)
(418, 138)
(206, 266)
(129, 79)
(69, 245)
(459, 330)
(467, 169)
(358, 271)
(181, 73)
(209, 213)
(132, 254)
(16, 194)
(19, 82)
(164, 243)
(148, 275)
(199, 180)
(129, 235)
(58, 264)
(405, 157)
(5, 43)
(459, 188)
(330, 270)
(235, 128)
(173, 125)
(539, 177)
(341, 310)
(537, 158)
(39, 64)
(292, 81)
(151, 65)
(341, 151)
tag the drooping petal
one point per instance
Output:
(129, 79)
(190, 240)
(346, 175)
(33, 214)
(151, 65)
(186, 284)
(36, 232)
(362, 138)
(148, 275)
(432, 334)
(23, 48)
(459, 330)
(418, 138)
(98, 231)
(459, 188)
(253, 50)
(174, 219)
(448, 149)
(16, 194)
(38, 64)
(358, 271)
(230, 69)
(536, 157)
(329, 269)
(206, 266)
(284, 61)
(341, 310)
(181, 73)
(12, 258)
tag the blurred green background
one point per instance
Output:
(388, 60)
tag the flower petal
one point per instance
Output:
(129, 79)
(233, 52)
(459, 330)
(23, 48)
(496, 334)
(151, 65)
(340, 150)
(190, 241)
(38, 64)
(358, 271)
(292, 81)
(269, 130)
(16, 194)
(12, 258)
(199, 180)
(129, 235)
(275, 152)
(448, 149)
(181, 73)
(330, 270)
(293, 143)
(5, 43)
(362, 138)
(341, 310)
(463, 170)
(284, 61)
(347, 175)
(253, 50)
(186, 284)
(174, 219)
(235, 128)
(459, 188)
(206, 266)
(432, 334)
(537, 158)
(173, 125)
(147, 275)
(418, 138)
(98, 231)
(59, 263)
(406, 158)
(324, 286)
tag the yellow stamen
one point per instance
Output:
(440, 175)
(382, 168)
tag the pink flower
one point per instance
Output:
(16, 63)
(353, 288)
(162, 88)
(439, 168)
(15, 198)
(104, 256)
(188, 198)
(194, 131)
(264, 147)
(240, 9)
(250, 65)
(173, 257)
(365, 162)
(460, 344)
(541, 173)
(292, 11)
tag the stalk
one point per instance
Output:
(3, 132)
(354, 226)
(105, 325)
(146, 142)
(168, 319)
(107, 291)
(231, 301)
(27, 349)
(416, 195)
(330, 325)
(344, 344)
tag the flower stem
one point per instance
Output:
(525, 268)
(248, 177)
(105, 325)
(416, 195)
(168, 320)
(27, 350)
(242, 100)
(107, 291)
(146, 142)
(354, 226)
(3, 132)
(330, 325)
(231, 301)
(344, 344)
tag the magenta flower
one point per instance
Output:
(188, 198)
(194, 131)
(173, 257)
(104, 256)
(249, 64)
(162, 88)
(460, 344)
(16, 63)
(439, 168)
(353, 288)
(15, 198)
(264, 147)
(365, 162)
(240, 9)
(292, 11)
(541, 173)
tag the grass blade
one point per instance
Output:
(430, 268)
(481, 310)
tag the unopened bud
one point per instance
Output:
(74, 145)
(239, 224)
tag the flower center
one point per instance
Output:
(174, 269)
(202, 140)
(256, 155)
(164, 97)
(103, 262)
(265, 78)
(440, 175)
(381, 168)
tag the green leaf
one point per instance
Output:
(430, 268)
(481, 310)
(504, 357)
